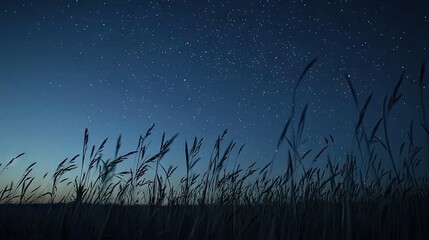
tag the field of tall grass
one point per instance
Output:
(381, 191)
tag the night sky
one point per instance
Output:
(199, 67)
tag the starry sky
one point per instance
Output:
(197, 68)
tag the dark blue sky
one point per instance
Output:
(198, 67)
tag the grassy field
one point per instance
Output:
(381, 191)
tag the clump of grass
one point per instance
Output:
(424, 112)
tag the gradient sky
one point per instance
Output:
(196, 68)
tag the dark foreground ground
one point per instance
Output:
(384, 219)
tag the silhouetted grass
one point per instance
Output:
(359, 198)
